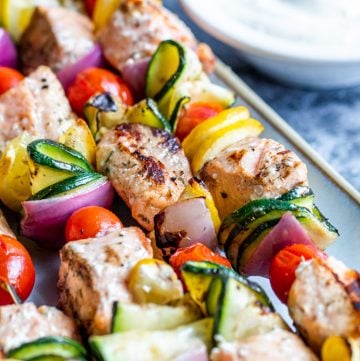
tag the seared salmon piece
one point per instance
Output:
(37, 105)
(137, 28)
(56, 37)
(252, 168)
(324, 301)
(93, 274)
(146, 166)
(26, 322)
(279, 345)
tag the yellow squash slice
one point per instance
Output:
(205, 129)
(223, 138)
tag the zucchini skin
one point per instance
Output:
(173, 79)
(296, 193)
(250, 224)
(214, 270)
(67, 185)
(49, 346)
(79, 163)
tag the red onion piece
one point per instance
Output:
(183, 224)
(44, 220)
(196, 354)
(8, 53)
(93, 59)
(287, 232)
(134, 75)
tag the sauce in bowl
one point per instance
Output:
(325, 27)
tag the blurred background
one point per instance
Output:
(328, 119)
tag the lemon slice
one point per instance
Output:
(196, 188)
(335, 348)
(103, 12)
(16, 14)
(205, 129)
(223, 138)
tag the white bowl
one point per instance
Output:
(309, 66)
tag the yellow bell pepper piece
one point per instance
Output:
(154, 281)
(223, 138)
(14, 172)
(335, 348)
(205, 129)
(103, 12)
(195, 189)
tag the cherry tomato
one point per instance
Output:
(90, 222)
(16, 269)
(284, 265)
(9, 78)
(196, 252)
(96, 80)
(90, 6)
(194, 114)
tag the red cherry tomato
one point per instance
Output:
(90, 6)
(96, 80)
(197, 252)
(193, 115)
(16, 269)
(9, 78)
(284, 265)
(90, 222)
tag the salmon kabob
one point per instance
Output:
(195, 174)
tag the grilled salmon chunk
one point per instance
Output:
(93, 274)
(250, 169)
(276, 345)
(56, 37)
(324, 301)
(37, 105)
(146, 166)
(136, 29)
(25, 323)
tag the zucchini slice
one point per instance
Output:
(237, 311)
(302, 196)
(49, 346)
(55, 155)
(250, 223)
(51, 162)
(103, 112)
(198, 277)
(170, 63)
(128, 317)
(146, 112)
(153, 345)
(69, 185)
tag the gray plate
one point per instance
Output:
(336, 198)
